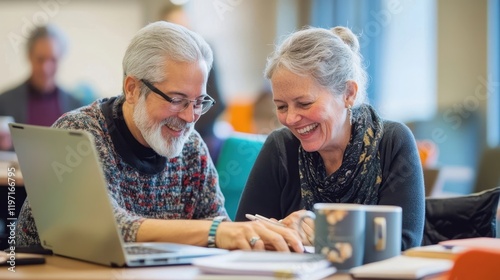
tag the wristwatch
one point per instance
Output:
(213, 229)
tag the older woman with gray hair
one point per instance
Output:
(334, 147)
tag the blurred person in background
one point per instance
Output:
(39, 100)
(206, 125)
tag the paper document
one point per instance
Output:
(489, 243)
(402, 267)
(274, 264)
(435, 251)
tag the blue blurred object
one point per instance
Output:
(458, 139)
(236, 159)
(84, 92)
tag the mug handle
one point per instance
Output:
(380, 233)
(307, 214)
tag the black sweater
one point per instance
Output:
(273, 187)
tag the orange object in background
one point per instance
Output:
(428, 152)
(239, 115)
(476, 264)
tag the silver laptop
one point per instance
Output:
(71, 206)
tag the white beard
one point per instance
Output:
(166, 146)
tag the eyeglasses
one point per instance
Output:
(200, 106)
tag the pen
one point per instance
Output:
(262, 218)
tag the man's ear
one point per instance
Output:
(350, 93)
(131, 89)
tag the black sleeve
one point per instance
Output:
(272, 186)
(403, 183)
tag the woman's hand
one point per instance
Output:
(257, 235)
(304, 228)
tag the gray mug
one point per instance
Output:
(339, 233)
(382, 232)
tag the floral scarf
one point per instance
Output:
(358, 178)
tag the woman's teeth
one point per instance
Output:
(307, 129)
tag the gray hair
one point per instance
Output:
(46, 31)
(161, 41)
(331, 57)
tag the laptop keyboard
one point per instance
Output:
(141, 250)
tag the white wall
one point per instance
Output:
(241, 32)
(242, 35)
(98, 33)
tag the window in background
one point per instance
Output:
(363, 19)
(398, 42)
(493, 133)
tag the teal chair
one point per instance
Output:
(236, 158)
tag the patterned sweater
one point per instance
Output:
(141, 183)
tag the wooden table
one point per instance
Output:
(69, 269)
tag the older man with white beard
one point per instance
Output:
(162, 182)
